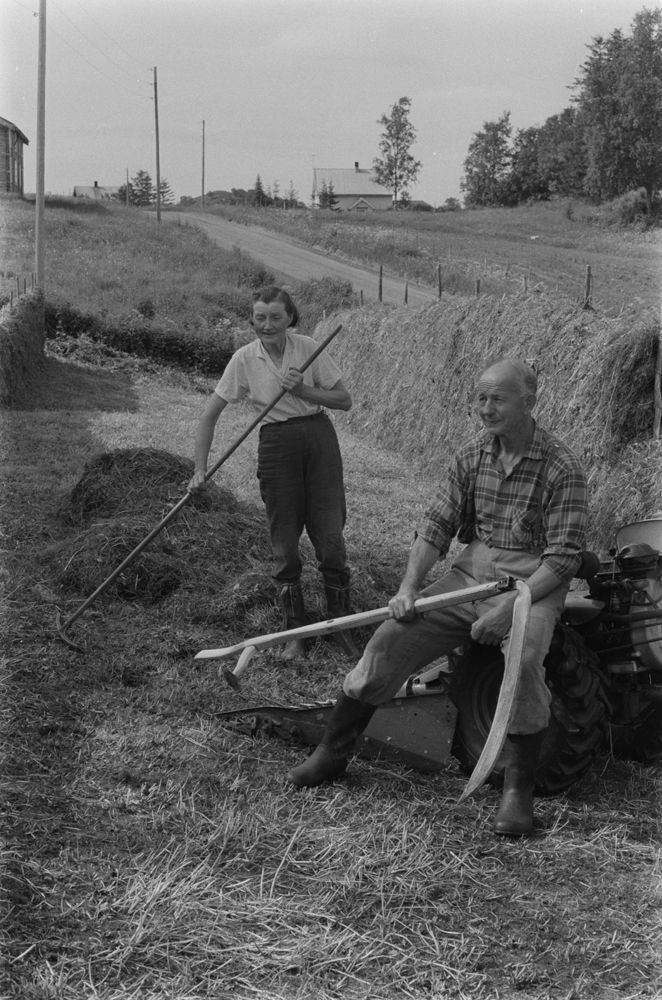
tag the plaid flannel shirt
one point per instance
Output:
(541, 506)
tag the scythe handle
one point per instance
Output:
(362, 618)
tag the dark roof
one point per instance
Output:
(14, 128)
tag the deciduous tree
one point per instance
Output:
(396, 169)
(487, 165)
(619, 101)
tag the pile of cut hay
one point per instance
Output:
(121, 497)
(210, 566)
(127, 482)
(596, 382)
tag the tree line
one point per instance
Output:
(609, 142)
(141, 191)
(606, 144)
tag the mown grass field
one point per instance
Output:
(544, 247)
(151, 846)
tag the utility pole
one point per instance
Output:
(41, 135)
(202, 199)
(158, 162)
(126, 190)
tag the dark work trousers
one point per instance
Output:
(301, 483)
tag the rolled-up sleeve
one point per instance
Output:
(566, 515)
(442, 519)
(233, 385)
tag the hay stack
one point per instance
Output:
(412, 374)
(127, 482)
(121, 496)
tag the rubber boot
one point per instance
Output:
(329, 760)
(338, 605)
(514, 817)
(294, 616)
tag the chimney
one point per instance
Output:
(356, 165)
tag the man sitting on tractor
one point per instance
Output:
(517, 496)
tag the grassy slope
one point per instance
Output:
(153, 850)
(545, 247)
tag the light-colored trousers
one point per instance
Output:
(399, 649)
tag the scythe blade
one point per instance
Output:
(509, 685)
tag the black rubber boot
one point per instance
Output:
(294, 616)
(514, 817)
(348, 720)
(338, 605)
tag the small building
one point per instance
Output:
(96, 192)
(354, 190)
(12, 142)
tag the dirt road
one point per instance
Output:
(289, 259)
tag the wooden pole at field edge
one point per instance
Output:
(657, 390)
(41, 134)
(588, 288)
(158, 156)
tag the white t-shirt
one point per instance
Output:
(252, 374)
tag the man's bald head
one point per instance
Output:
(510, 371)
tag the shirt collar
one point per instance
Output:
(535, 450)
(261, 351)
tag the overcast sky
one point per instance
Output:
(284, 85)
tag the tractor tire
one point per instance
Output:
(578, 726)
(639, 740)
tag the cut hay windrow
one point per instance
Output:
(595, 375)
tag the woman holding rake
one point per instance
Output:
(299, 463)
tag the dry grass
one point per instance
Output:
(152, 848)
(543, 247)
(595, 387)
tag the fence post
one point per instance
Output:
(361, 296)
(657, 390)
(588, 288)
(406, 291)
(477, 286)
(381, 279)
(439, 280)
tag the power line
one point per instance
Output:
(125, 55)
(80, 31)
(114, 80)
(120, 48)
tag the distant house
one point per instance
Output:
(355, 190)
(12, 142)
(96, 192)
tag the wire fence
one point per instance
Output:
(14, 287)
(586, 298)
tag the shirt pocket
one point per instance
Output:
(522, 527)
